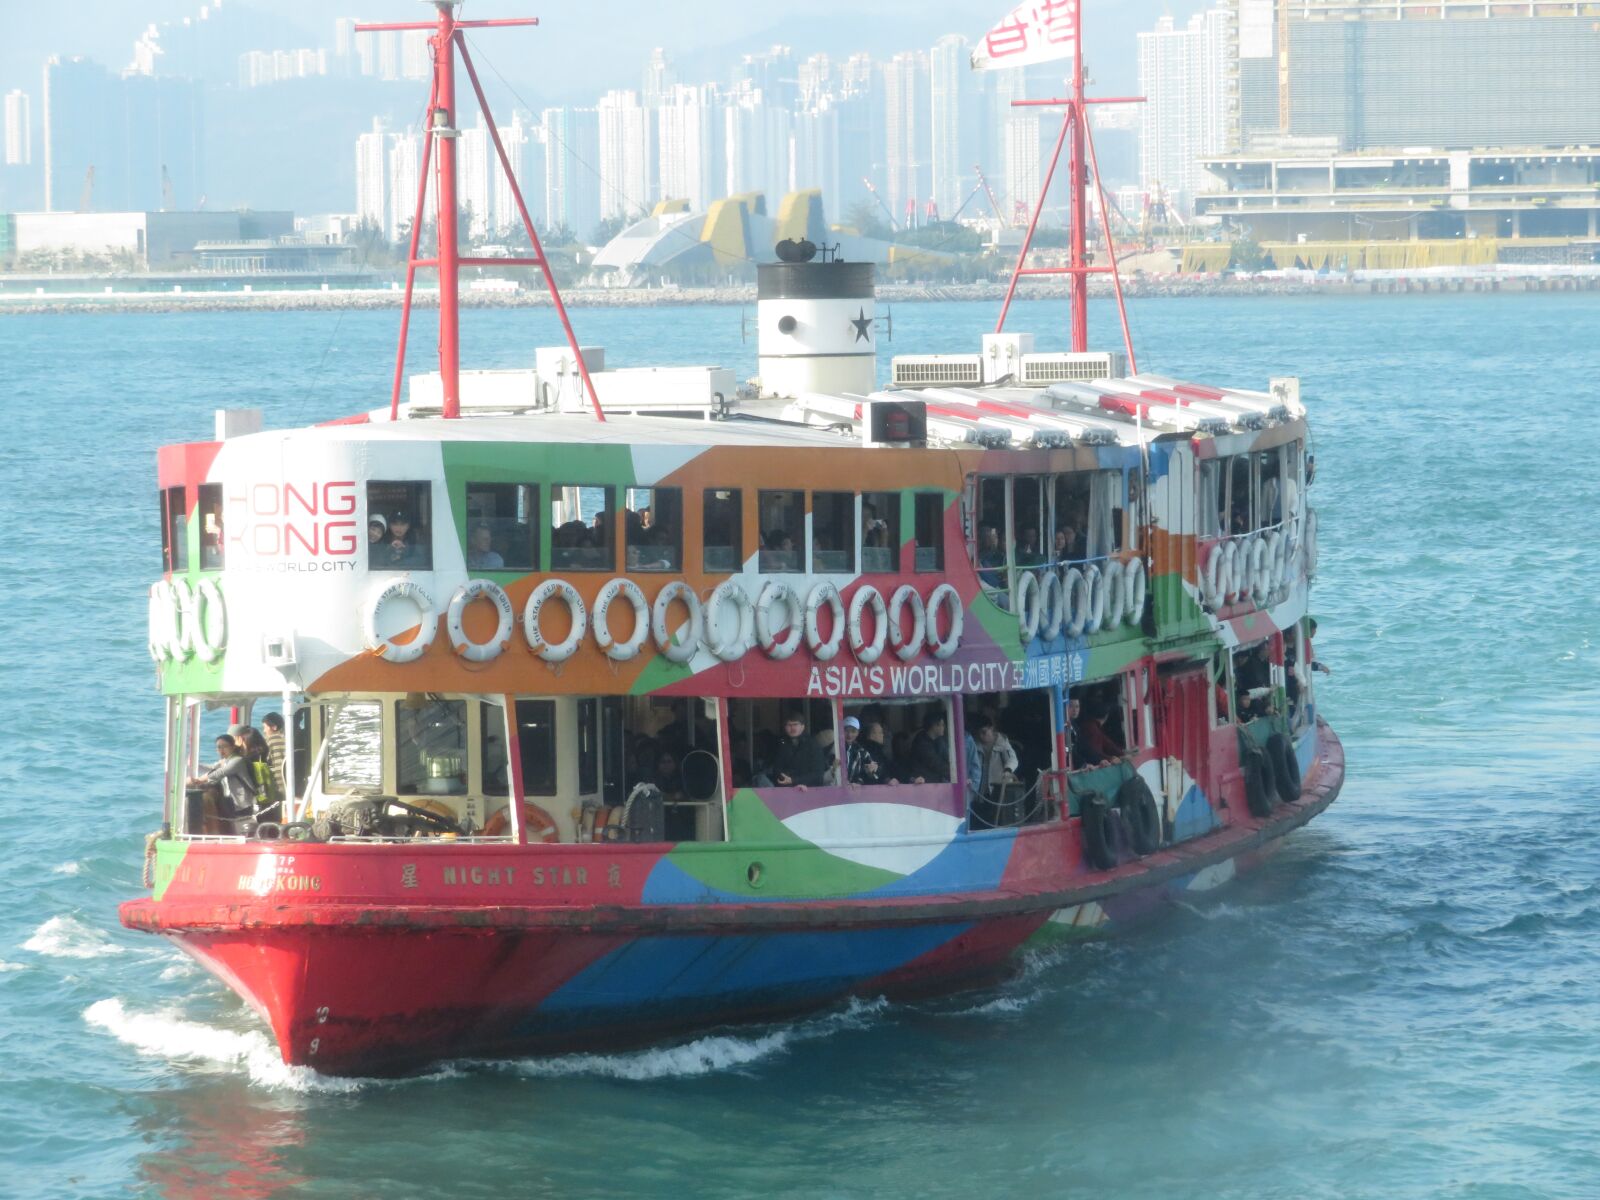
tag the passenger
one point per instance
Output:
(400, 551)
(1094, 746)
(990, 556)
(1252, 682)
(1027, 549)
(269, 794)
(930, 749)
(377, 529)
(982, 766)
(234, 778)
(863, 765)
(1065, 548)
(669, 776)
(481, 554)
(777, 551)
(272, 731)
(874, 529)
(797, 761)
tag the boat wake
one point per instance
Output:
(68, 937)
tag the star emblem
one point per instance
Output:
(862, 324)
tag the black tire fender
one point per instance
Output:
(1285, 767)
(1096, 818)
(1139, 808)
(1257, 784)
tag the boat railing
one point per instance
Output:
(1232, 570)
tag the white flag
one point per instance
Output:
(1035, 31)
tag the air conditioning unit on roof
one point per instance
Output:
(1041, 370)
(936, 370)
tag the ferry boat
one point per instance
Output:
(618, 703)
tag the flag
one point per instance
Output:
(1035, 31)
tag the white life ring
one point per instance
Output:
(479, 589)
(1213, 580)
(728, 592)
(208, 603)
(776, 592)
(1027, 601)
(1114, 574)
(946, 596)
(1230, 571)
(1095, 581)
(181, 637)
(160, 620)
(427, 627)
(1272, 564)
(868, 652)
(1075, 600)
(1311, 543)
(1256, 572)
(681, 650)
(1052, 606)
(562, 590)
(908, 647)
(1134, 586)
(824, 593)
(615, 650)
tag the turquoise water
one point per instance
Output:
(1402, 1003)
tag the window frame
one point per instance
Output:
(610, 509)
(210, 501)
(175, 529)
(419, 506)
(938, 546)
(396, 749)
(736, 498)
(676, 545)
(535, 522)
(801, 549)
(850, 519)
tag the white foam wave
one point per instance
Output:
(67, 868)
(1001, 1005)
(68, 937)
(9, 966)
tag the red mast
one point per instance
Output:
(443, 128)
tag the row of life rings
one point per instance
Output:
(187, 622)
(778, 621)
(1083, 600)
(1255, 566)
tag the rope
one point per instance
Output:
(148, 875)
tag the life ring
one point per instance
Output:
(428, 624)
(728, 592)
(1027, 602)
(1285, 767)
(1052, 606)
(946, 596)
(868, 652)
(479, 589)
(546, 591)
(1311, 543)
(1213, 579)
(208, 602)
(1272, 561)
(182, 607)
(1075, 599)
(824, 593)
(1114, 573)
(777, 592)
(1134, 587)
(615, 650)
(1095, 826)
(1095, 581)
(160, 621)
(682, 650)
(1138, 805)
(1254, 764)
(909, 646)
(537, 825)
(1256, 572)
(1230, 571)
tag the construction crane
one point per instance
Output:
(86, 199)
(989, 191)
(886, 210)
(931, 213)
(911, 212)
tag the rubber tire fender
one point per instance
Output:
(1285, 767)
(1257, 781)
(1095, 815)
(1138, 805)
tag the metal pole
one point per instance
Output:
(1038, 208)
(1079, 118)
(411, 254)
(1111, 250)
(443, 123)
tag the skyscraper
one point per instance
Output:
(514, 137)
(659, 79)
(405, 160)
(756, 140)
(949, 89)
(372, 192)
(907, 134)
(18, 129)
(476, 166)
(572, 186)
(627, 155)
(690, 140)
(1182, 74)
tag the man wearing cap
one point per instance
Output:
(399, 551)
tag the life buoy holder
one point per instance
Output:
(682, 649)
(909, 645)
(601, 623)
(1095, 580)
(1135, 584)
(537, 825)
(1027, 601)
(1257, 572)
(1114, 574)
(428, 623)
(1075, 600)
(1272, 560)
(208, 605)
(479, 589)
(543, 594)
(1052, 606)
(1213, 578)
(824, 594)
(945, 596)
(728, 592)
(868, 596)
(1230, 571)
(779, 648)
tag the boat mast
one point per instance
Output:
(442, 127)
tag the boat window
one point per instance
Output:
(1030, 518)
(1106, 501)
(880, 531)
(399, 525)
(431, 746)
(833, 532)
(1269, 487)
(723, 529)
(1240, 517)
(1212, 512)
(174, 530)
(989, 550)
(211, 527)
(783, 531)
(502, 527)
(756, 737)
(582, 528)
(536, 746)
(899, 734)
(929, 515)
(353, 732)
(1098, 723)
(588, 747)
(1070, 538)
(492, 758)
(1253, 681)
(654, 519)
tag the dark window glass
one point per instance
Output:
(1070, 538)
(354, 734)
(536, 745)
(880, 531)
(588, 747)
(175, 529)
(929, 515)
(723, 525)
(211, 527)
(654, 518)
(613, 751)
(502, 527)
(399, 525)
(1028, 521)
(495, 764)
(989, 548)
(431, 747)
(582, 528)
(833, 532)
(783, 531)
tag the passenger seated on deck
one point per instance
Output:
(930, 750)
(1066, 546)
(797, 761)
(234, 778)
(481, 554)
(1027, 549)
(990, 555)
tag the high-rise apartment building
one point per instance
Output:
(514, 138)
(1182, 73)
(907, 131)
(814, 154)
(476, 166)
(951, 93)
(372, 178)
(627, 156)
(756, 145)
(18, 129)
(405, 160)
(416, 59)
(572, 185)
(690, 138)
(659, 79)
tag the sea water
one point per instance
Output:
(1401, 1003)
